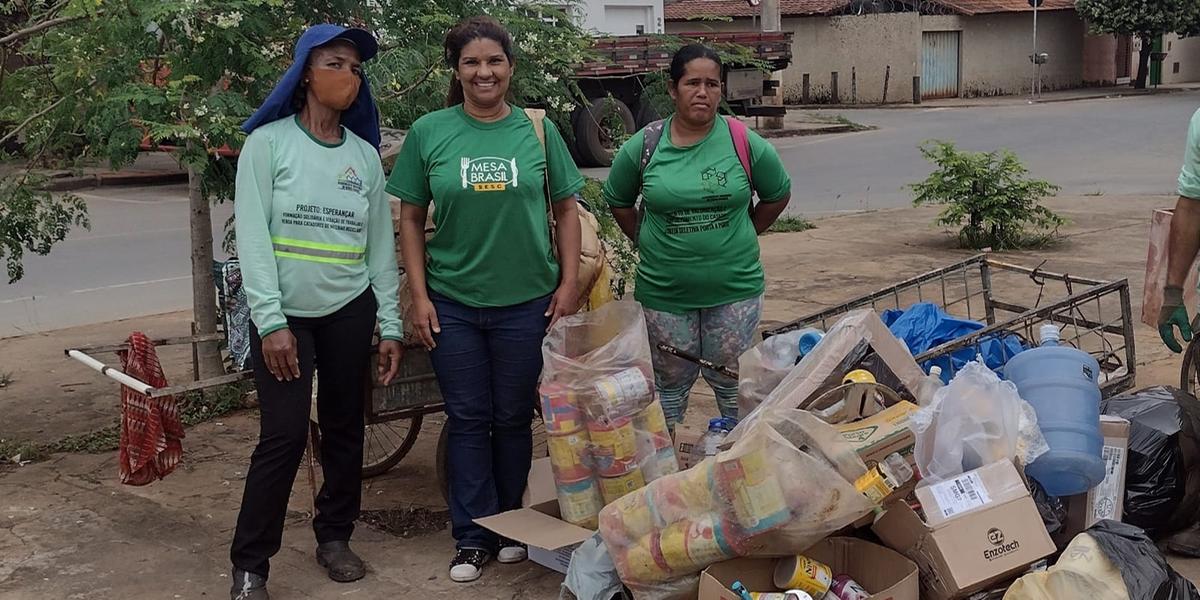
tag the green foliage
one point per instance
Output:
(622, 255)
(790, 224)
(187, 73)
(989, 195)
(33, 220)
(1146, 17)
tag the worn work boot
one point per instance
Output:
(248, 586)
(342, 563)
(1186, 542)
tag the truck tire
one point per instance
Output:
(645, 113)
(595, 140)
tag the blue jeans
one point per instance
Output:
(487, 362)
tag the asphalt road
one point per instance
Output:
(1124, 146)
(135, 261)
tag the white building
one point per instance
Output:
(621, 17)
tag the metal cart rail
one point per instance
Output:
(1010, 299)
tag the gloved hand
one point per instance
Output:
(1173, 314)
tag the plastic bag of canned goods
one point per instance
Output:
(781, 488)
(607, 435)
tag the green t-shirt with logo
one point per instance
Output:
(697, 242)
(487, 181)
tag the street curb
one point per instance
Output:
(120, 178)
(795, 132)
(1014, 101)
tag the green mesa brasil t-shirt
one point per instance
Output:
(491, 241)
(697, 242)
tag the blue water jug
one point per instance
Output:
(1062, 384)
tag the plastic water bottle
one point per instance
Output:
(1062, 384)
(718, 429)
(809, 340)
(929, 386)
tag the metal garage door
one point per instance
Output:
(939, 64)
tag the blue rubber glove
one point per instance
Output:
(1173, 314)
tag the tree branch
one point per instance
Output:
(422, 79)
(29, 31)
(32, 117)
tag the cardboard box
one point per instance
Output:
(1105, 500)
(859, 340)
(968, 551)
(973, 491)
(538, 524)
(883, 572)
(878, 436)
(686, 450)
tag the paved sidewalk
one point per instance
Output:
(1087, 93)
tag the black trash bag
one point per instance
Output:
(1052, 509)
(1162, 477)
(1143, 568)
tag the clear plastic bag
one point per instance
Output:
(607, 435)
(776, 492)
(976, 420)
(763, 367)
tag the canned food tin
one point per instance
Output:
(613, 488)
(631, 516)
(805, 574)
(580, 502)
(756, 498)
(560, 411)
(569, 456)
(623, 392)
(707, 543)
(651, 427)
(845, 588)
(614, 446)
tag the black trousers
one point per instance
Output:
(339, 345)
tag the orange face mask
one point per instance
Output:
(335, 89)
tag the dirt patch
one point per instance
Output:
(407, 523)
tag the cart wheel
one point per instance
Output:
(540, 450)
(1189, 374)
(384, 444)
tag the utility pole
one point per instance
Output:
(1035, 89)
(772, 22)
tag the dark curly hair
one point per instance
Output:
(467, 31)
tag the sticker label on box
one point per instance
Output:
(1106, 493)
(960, 495)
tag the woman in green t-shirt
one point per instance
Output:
(700, 279)
(486, 285)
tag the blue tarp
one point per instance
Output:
(924, 326)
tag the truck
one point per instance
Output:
(615, 77)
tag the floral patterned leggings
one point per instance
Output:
(719, 334)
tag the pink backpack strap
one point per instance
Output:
(741, 144)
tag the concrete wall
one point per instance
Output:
(620, 17)
(1185, 52)
(1099, 59)
(994, 52)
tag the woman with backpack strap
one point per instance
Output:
(490, 286)
(700, 279)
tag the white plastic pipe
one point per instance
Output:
(112, 373)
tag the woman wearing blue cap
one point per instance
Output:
(314, 238)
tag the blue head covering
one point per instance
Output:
(362, 117)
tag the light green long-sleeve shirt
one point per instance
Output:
(314, 228)
(1189, 175)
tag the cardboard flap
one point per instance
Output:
(901, 528)
(539, 488)
(536, 528)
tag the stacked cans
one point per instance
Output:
(684, 522)
(606, 439)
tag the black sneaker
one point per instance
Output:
(511, 552)
(468, 564)
(248, 586)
